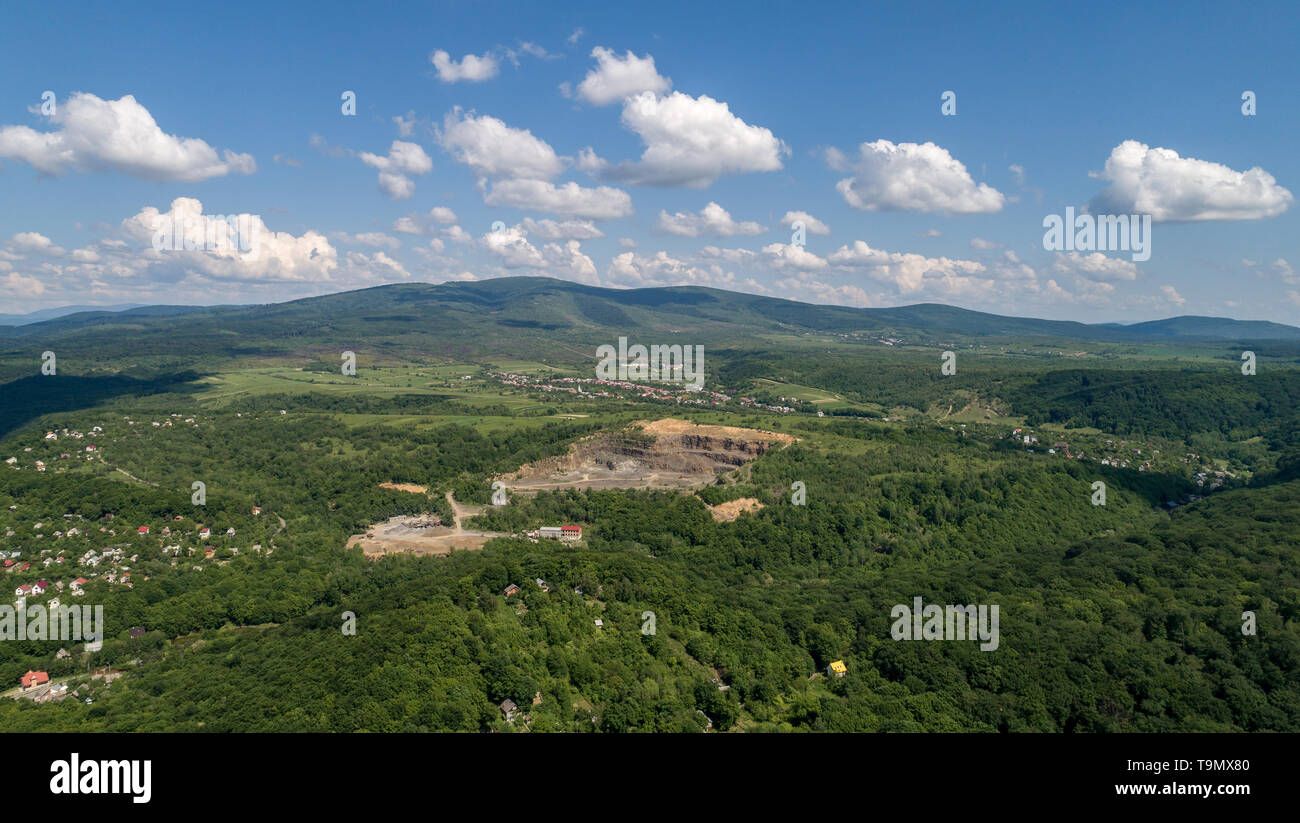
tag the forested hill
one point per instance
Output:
(531, 305)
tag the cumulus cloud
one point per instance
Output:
(376, 239)
(561, 229)
(1157, 181)
(713, 220)
(270, 256)
(603, 203)
(908, 272)
(565, 260)
(1095, 266)
(493, 149)
(31, 242)
(615, 78)
(692, 141)
(470, 68)
(786, 256)
(911, 177)
(21, 286)
(403, 161)
(117, 135)
(810, 223)
(631, 270)
(425, 223)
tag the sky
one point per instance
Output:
(859, 154)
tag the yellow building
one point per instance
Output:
(837, 669)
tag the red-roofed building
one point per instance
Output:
(143, 530)
(40, 586)
(33, 679)
(571, 532)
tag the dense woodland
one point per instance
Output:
(1126, 616)
(1118, 618)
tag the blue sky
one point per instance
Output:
(656, 144)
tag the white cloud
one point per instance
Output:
(590, 162)
(405, 124)
(443, 215)
(566, 261)
(692, 141)
(909, 272)
(1156, 181)
(1095, 266)
(632, 270)
(812, 224)
(493, 149)
(911, 177)
(616, 78)
(1171, 294)
(471, 68)
(561, 230)
(713, 220)
(395, 170)
(603, 203)
(784, 255)
(983, 245)
(274, 256)
(576, 36)
(377, 239)
(31, 242)
(1279, 268)
(117, 135)
(21, 286)
(626, 243)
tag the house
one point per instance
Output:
(509, 709)
(62, 654)
(205, 533)
(33, 679)
(40, 467)
(23, 590)
(570, 533)
(257, 510)
(600, 624)
(836, 669)
(512, 589)
(142, 530)
(549, 532)
(39, 587)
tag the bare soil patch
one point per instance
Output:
(668, 453)
(726, 512)
(405, 487)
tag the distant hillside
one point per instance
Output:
(50, 314)
(544, 317)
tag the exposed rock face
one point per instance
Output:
(660, 453)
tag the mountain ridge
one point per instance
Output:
(548, 304)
